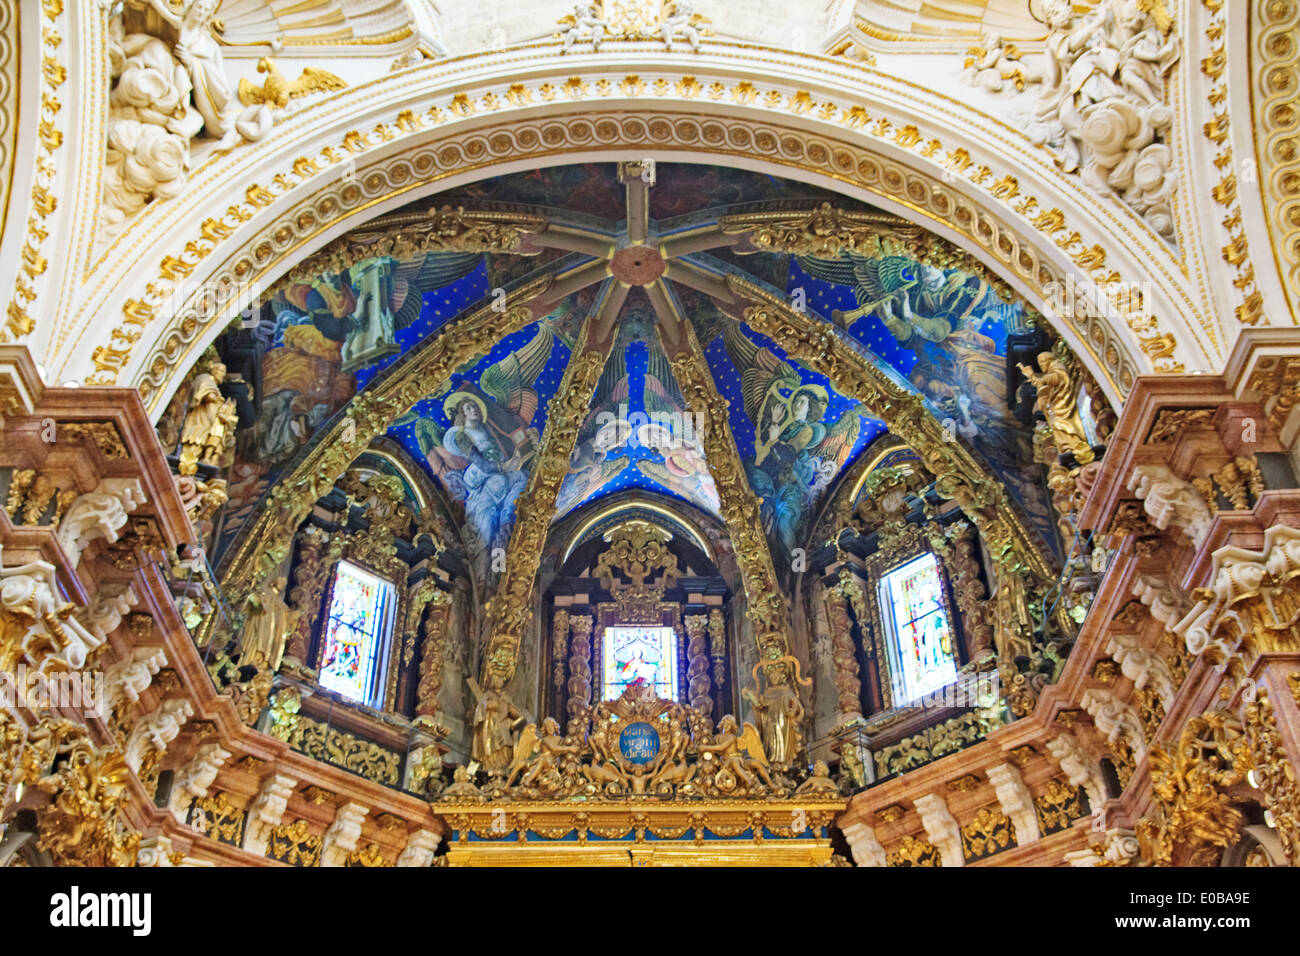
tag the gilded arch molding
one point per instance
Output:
(1275, 69)
(688, 137)
(300, 202)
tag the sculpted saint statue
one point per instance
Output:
(209, 420)
(495, 719)
(779, 713)
(267, 624)
(194, 45)
(1058, 395)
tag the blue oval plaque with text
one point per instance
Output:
(639, 743)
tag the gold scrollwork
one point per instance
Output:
(1058, 806)
(989, 831)
(1194, 820)
(330, 745)
(509, 610)
(914, 851)
(295, 844)
(217, 817)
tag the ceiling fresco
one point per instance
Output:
(793, 430)
(639, 434)
(944, 332)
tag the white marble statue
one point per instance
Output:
(1100, 87)
(584, 23)
(170, 86)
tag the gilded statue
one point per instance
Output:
(209, 422)
(1011, 631)
(671, 768)
(820, 781)
(851, 765)
(495, 720)
(779, 711)
(737, 757)
(1058, 396)
(267, 623)
(538, 757)
(461, 785)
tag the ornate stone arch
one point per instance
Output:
(361, 152)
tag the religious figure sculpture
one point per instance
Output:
(495, 720)
(267, 624)
(191, 25)
(1101, 107)
(680, 19)
(170, 86)
(736, 758)
(150, 124)
(584, 21)
(209, 422)
(779, 711)
(851, 765)
(536, 760)
(461, 785)
(1058, 395)
(820, 781)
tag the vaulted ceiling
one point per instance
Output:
(638, 249)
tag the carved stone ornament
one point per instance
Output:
(1252, 602)
(1100, 85)
(37, 627)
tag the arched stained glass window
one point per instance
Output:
(921, 645)
(644, 654)
(360, 619)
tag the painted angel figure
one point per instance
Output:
(600, 453)
(683, 470)
(366, 305)
(481, 458)
(916, 302)
(791, 442)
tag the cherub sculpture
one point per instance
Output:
(538, 757)
(681, 20)
(737, 756)
(585, 19)
(461, 785)
(820, 781)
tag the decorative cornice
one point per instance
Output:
(1275, 66)
(839, 159)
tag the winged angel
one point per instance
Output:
(365, 305)
(936, 314)
(600, 452)
(917, 302)
(482, 457)
(683, 469)
(796, 453)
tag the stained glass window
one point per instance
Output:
(358, 622)
(922, 647)
(640, 654)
